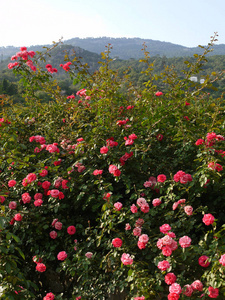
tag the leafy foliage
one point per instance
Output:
(85, 160)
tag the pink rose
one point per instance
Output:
(38, 202)
(222, 260)
(117, 242)
(134, 209)
(40, 267)
(126, 259)
(185, 241)
(141, 202)
(161, 178)
(170, 278)
(117, 173)
(54, 193)
(213, 293)
(18, 217)
(197, 285)
(11, 183)
(175, 288)
(112, 169)
(38, 196)
(53, 234)
(173, 296)
(127, 226)
(166, 250)
(46, 185)
(143, 238)
(31, 177)
(49, 296)
(129, 142)
(156, 202)
(97, 172)
(203, 261)
(188, 210)
(141, 245)
(104, 150)
(12, 205)
(26, 198)
(208, 219)
(89, 255)
(118, 206)
(199, 142)
(158, 94)
(139, 222)
(43, 173)
(37, 260)
(62, 255)
(71, 230)
(137, 231)
(165, 228)
(54, 221)
(187, 290)
(2, 199)
(163, 265)
(58, 225)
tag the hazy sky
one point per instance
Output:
(188, 23)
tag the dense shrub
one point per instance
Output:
(113, 193)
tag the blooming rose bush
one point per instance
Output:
(111, 201)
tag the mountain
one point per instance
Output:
(126, 48)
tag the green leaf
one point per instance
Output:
(20, 252)
(8, 267)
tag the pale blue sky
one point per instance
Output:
(187, 23)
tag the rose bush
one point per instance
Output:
(130, 220)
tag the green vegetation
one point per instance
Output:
(107, 192)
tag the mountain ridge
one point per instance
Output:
(124, 48)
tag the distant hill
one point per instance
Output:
(123, 48)
(126, 48)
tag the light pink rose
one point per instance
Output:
(143, 238)
(118, 206)
(156, 202)
(188, 210)
(175, 288)
(185, 241)
(141, 202)
(222, 260)
(197, 285)
(126, 259)
(163, 265)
